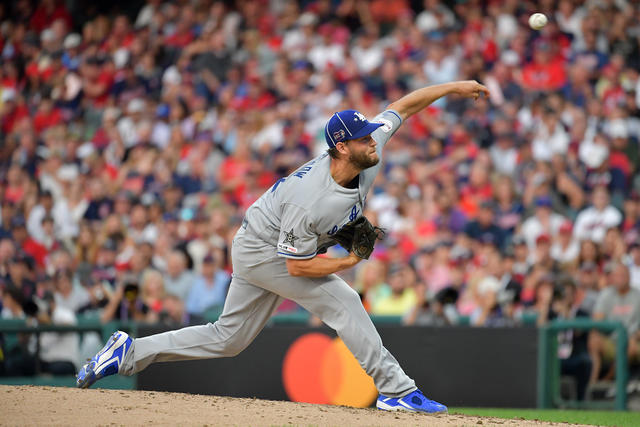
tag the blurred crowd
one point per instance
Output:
(132, 143)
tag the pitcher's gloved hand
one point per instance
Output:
(359, 236)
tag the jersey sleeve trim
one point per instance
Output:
(396, 114)
(286, 255)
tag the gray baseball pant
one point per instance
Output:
(260, 283)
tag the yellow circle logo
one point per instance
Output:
(320, 369)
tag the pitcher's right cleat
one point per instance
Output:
(106, 362)
(412, 402)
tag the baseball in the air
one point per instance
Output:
(537, 21)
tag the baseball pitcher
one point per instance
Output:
(274, 256)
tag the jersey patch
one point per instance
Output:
(290, 238)
(386, 124)
(287, 248)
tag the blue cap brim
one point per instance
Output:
(366, 130)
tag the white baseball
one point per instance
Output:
(537, 21)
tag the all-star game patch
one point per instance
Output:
(289, 242)
(287, 248)
(290, 238)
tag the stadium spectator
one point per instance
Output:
(126, 304)
(178, 280)
(67, 293)
(153, 293)
(437, 311)
(370, 283)
(572, 344)
(403, 298)
(175, 316)
(58, 351)
(619, 302)
(508, 210)
(483, 227)
(587, 287)
(12, 300)
(565, 249)
(593, 222)
(543, 221)
(20, 269)
(632, 261)
(18, 360)
(38, 214)
(209, 288)
(551, 138)
(494, 294)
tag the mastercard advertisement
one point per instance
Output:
(320, 369)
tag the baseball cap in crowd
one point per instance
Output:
(68, 172)
(148, 199)
(121, 58)
(71, 41)
(543, 201)
(518, 239)
(460, 253)
(18, 221)
(510, 57)
(488, 284)
(85, 150)
(543, 238)
(307, 18)
(187, 214)
(8, 94)
(566, 227)
(136, 105)
(162, 111)
(47, 35)
(169, 217)
(346, 125)
(617, 128)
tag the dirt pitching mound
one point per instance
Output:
(31, 405)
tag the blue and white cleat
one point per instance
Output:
(412, 402)
(106, 362)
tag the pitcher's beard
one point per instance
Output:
(362, 160)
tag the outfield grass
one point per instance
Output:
(603, 418)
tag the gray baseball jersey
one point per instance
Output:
(301, 212)
(293, 219)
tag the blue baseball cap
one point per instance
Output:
(346, 125)
(544, 201)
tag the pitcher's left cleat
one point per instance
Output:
(412, 402)
(106, 362)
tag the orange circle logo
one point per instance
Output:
(320, 369)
